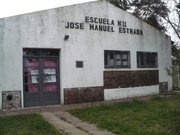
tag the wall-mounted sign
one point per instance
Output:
(105, 25)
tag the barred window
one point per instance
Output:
(117, 59)
(147, 60)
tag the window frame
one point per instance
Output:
(117, 59)
(147, 59)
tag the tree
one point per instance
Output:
(150, 11)
(147, 10)
(175, 53)
(157, 13)
(173, 17)
(123, 4)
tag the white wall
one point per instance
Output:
(111, 94)
(46, 29)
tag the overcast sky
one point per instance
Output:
(15, 7)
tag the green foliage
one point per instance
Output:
(173, 71)
(176, 89)
(175, 52)
(158, 116)
(29, 124)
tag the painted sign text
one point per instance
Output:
(104, 24)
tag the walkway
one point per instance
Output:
(72, 125)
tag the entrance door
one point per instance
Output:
(41, 77)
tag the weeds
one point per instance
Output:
(156, 98)
(157, 116)
(29, 124)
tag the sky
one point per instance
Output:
(16, 7)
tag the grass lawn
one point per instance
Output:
(29, 124)
(157, 116)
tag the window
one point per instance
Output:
(117, 59)
(146, 59)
